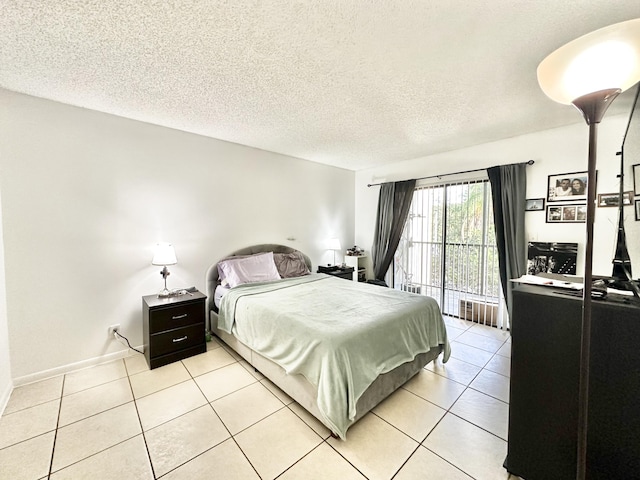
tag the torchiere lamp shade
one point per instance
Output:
(608, 58)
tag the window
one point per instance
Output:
(448, 251)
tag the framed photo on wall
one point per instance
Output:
(637, 210)
(566, 213)
(534, 204)
(567, 187)
(552, 257)
(636, 180)
(613, 199)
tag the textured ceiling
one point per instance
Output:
(348, 83)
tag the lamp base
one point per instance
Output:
(165, 293)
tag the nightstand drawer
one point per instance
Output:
(156, 362)
(178, 339)
(176, 316)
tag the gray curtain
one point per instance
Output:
(394, 201)
(508, 189)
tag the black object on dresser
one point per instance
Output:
(346, 273)
(545, 366)
(173, 327)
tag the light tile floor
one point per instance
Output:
(213, 416)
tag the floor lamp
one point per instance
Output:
(589, 73)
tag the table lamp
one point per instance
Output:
(334, 244)
(164, 254)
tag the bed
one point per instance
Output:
(336, 347)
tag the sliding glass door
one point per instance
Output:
(448, 250)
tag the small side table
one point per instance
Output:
(173, 328)
(357, 262)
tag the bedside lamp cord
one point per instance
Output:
(117, 334)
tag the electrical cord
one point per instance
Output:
(117, 334)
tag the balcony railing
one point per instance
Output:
(471, 274)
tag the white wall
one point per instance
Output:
(86, 195)
(5, 364)
(556, 151)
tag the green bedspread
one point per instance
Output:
(339, 334)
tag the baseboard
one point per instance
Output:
(4, 398)
(72, 367)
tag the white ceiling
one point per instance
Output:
(350, 83)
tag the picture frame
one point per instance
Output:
(613, 199)
(552, 257)
(637, 210)
(567, 187)
(534, 204)
(567, 213)
(636, 180)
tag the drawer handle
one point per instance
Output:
(176, 340)
(177, 317)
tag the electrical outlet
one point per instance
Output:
(113, 329)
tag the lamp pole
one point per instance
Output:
(593, 107)
(590, 72)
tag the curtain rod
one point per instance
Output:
(529, 162)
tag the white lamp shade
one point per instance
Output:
(333, 244)
(608, 58)
(164, 254)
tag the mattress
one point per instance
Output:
(219, 292)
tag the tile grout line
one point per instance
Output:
(55, 435)
(468, 387)
(93, 415)
(144, 437)
(193, 379)
(448, 410)
(287, 406)
(345, 459)
(232, 437)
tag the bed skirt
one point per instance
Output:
(303, 392)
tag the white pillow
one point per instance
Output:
(255, 268)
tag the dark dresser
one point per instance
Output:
(173, 327)
(545, 366)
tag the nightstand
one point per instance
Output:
(346, 273)
(173, 328)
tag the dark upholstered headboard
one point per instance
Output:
(212, 273)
